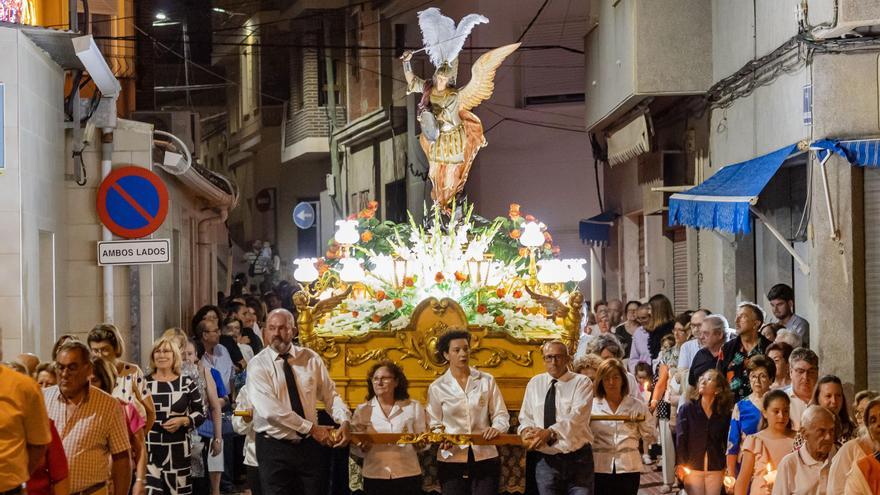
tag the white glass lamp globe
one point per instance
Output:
(532, 236)
(383, 267)
(346, 233)
(305, 270)
(576, 269)
(552, 272)
(351, 271)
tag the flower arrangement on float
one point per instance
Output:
(489, 268)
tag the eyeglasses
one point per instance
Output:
(758, 376)
(72, 368)
(554, 357)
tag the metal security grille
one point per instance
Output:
(872, 272)
(679, 271)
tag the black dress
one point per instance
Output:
(168, 455)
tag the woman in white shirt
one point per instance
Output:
(389, 468)
(465, 400)
(616, 443)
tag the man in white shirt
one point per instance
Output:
(555, 421)
(285, 383)
(803, 366)
(805, 471)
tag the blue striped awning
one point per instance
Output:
(722, 201)
(860, 153)
(597, 229)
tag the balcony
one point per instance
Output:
(645, 48)
(306, 132)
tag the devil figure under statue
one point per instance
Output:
(451, 134)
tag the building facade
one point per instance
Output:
(741, 83)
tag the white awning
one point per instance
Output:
(629, 142)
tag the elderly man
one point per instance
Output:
(690, 348)
(555, 421)
(91, 424)
(748, 343)
(781, 298)
(805, 471)
(615, 312)
(24, 429)
(285, 383)
(803, 366)
(713, 331)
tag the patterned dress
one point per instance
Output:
(131, 387)
(168, 454)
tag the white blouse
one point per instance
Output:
(616, 443)
(389, 461)
(472, 410)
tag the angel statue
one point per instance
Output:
(451, 134)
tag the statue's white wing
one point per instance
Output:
(436, 28)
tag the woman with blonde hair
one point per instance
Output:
(180, 410)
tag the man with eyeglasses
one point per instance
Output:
(555, 421)
(804, 370)
(91, 424)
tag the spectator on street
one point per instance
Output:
(625, 330)
(781, 298)
(806, 470)
(746, 417)
(747, 344)
(713, 331)
(640, 352)
(779, 352)
(46, 376)
(25, 426)
(95, 436)
(764, 450)
(804, 370)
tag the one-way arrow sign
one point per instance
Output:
(304, 215)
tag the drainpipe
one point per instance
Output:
(106, 235)
(205, 226)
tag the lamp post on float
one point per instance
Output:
(531, 239)
(346, 235)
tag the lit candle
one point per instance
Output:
(729, 481)
(770, 476)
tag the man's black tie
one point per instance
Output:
(550, 405)
(292, 390)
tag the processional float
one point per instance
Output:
(388, 290)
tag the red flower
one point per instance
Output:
(354, 314)
(499, 320)
(482, 309)
(461, 277)
(408, 281)
(523, 252)
(366, 236)
(373, 205)
(439, 277)
(517, 294)
(380, 295)
(515, 234)
(500, 292)
(398, 303)
(376, 318)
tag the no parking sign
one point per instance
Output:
(132, 202)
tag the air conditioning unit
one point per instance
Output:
(185, 125)
(851, 15)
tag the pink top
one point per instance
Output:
(765, 449)
(132, 417)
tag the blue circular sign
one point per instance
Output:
(304, 215)
(132, 202)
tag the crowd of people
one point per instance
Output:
(233, 400)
